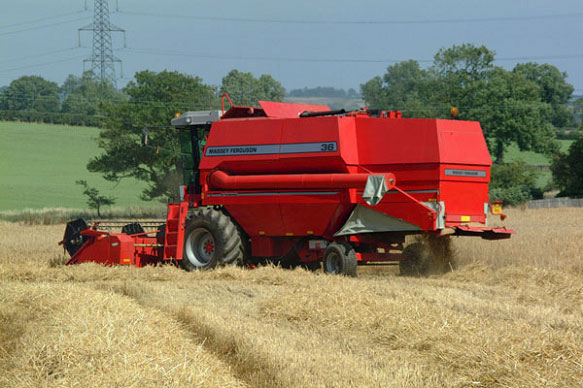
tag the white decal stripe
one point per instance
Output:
(243, 150)
(308, 147)
(468, 173)
(267, 149)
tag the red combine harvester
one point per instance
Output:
(301, 184)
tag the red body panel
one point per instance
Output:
(174, 233)
(117, 249)
(281, 109)
(442, 170)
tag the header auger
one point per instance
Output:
(301, 185)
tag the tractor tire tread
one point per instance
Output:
(351, 263)
(226, 233)
(417, 263)
(348, 259)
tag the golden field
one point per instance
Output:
(509, 315)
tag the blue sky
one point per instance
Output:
(301, 43)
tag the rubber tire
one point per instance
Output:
(340, 258)
(417, 262)
(229, 243)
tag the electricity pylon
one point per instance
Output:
(102, 60)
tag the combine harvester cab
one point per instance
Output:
(300, 185)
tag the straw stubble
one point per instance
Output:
(510, 315)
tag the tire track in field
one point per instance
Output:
(249, 370)
(260, 352)
(109, 340)
(232, 321)
(284, 329)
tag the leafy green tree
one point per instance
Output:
(268, 89)
(374, 93)
(461, 73)
(511, 106)
(553, 88)
(244, 89)
(94, 199)
(351, 93)
(405, 86)
(152, 101)
(465, 63)
(512, 174)
(567, 170)
(80, 94)
(513, 183)
(32, 93)
(323, 91)
(514, 195)
(578, 111)
(83, 96)
(509, 109)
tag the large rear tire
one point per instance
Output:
(416, 261)
(432, 257)
(340, 258)
(211, 239)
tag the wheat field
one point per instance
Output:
(509, 315)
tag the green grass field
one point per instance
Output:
(544, 176)
(39, 164)
(530, 157)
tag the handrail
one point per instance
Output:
(223, 101)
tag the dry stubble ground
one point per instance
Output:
(511, 315)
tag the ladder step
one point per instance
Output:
(174, 238)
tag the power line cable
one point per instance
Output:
(41, 19)
(13, 59)
(365, 22)
(265, 58)
(43, 26)
(327, 60)
(541, 57)
(53, 114)
(41, 64)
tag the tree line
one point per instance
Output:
(76, 102)
(523, 105)
(84, 100)
(324, 91)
